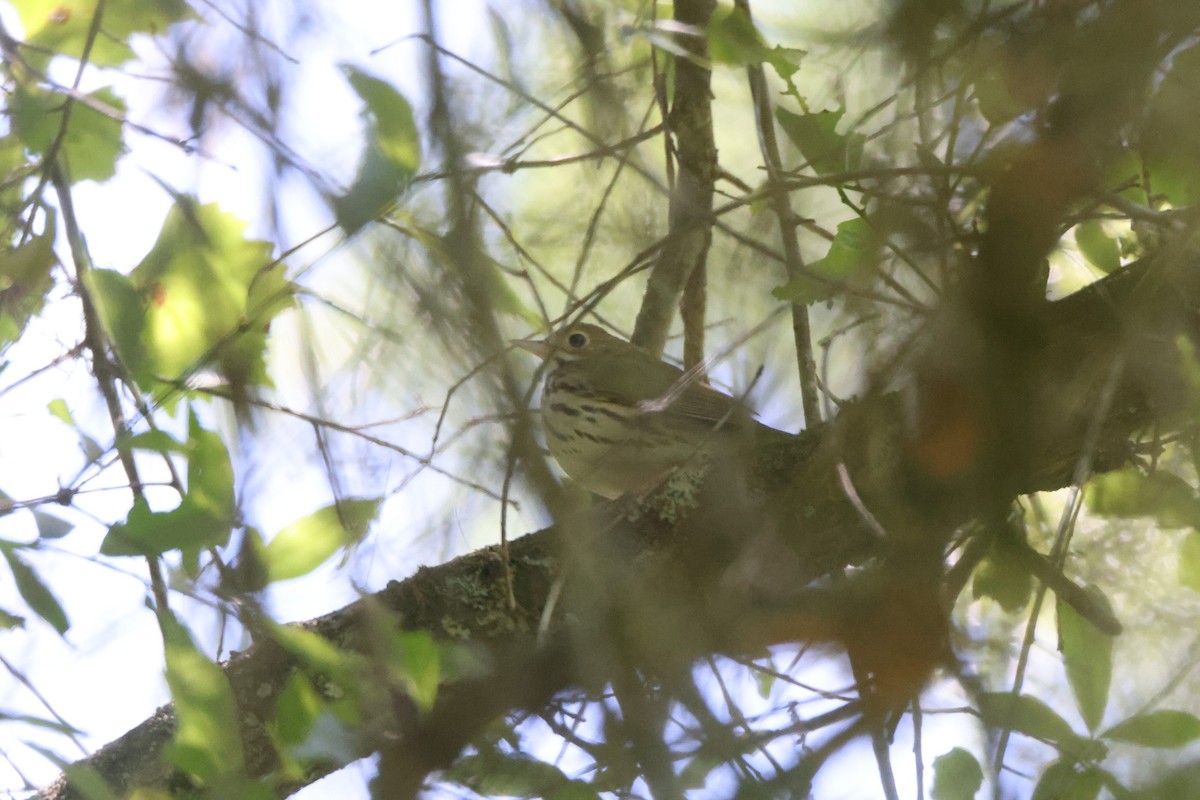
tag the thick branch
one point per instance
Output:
(659, 595)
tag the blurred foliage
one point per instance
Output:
(336, 342)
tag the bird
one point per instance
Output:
(621, 422)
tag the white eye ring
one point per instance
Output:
(577, 340)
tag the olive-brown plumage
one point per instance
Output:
(619, 421)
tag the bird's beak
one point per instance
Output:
(539, 347)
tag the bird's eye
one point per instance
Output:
(577, 340)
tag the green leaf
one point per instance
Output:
(1189, 561)
(1097, 246)
(1131, 493)
(296, 709)
(206, 742)
(205, 515)
(1027, 715)
(206, 295)
(93, 141)
(61, 26)
(58, 408)
(420, 666)
(391, 156)
(1002, 577)
(852, 252)
(1161, 729)
(1171, 131)
(9, 621)
(88, 782)
(956, 776)
(35, 593)
(733, 40)
(50, 526)
(1066, 780)
(815, 136)
(120, 308)
(25, 279)
(1087, 656)
(307, 543)
(494, 773)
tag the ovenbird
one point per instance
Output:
(621, 422)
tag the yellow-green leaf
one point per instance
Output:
(307, 543)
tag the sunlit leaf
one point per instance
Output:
(956, 776)
(93, 141)
(35, 593)
(853, 251)
(206, 743)
(61, 26)
(815, 136)
(1087, 656)
(307, 543)
(208, 295)
(391, 156)
(1164, 728)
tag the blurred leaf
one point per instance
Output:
(61, 26)
(330, 739)
(1065, 780)
(25, 278)
(853, 251)
(493, 773)
(420, 665)
(1087, 656)
(204, 516)
(120, 308)
(296, 709)
(815, 136)
(307, 543)
(956, 776)
(210, 473)
(1002, 577)
(87, 782)
(1189, 561)
(1161, 729)
(206, 742)
(35, 593)
(1027, 715)
(391, 156)
(1171, 130)
(1132, 493)
(733, 40)
(93, 142)
(206, 296)
(58, 408)
(8, 620)
(50, 526)
(1100, 249)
